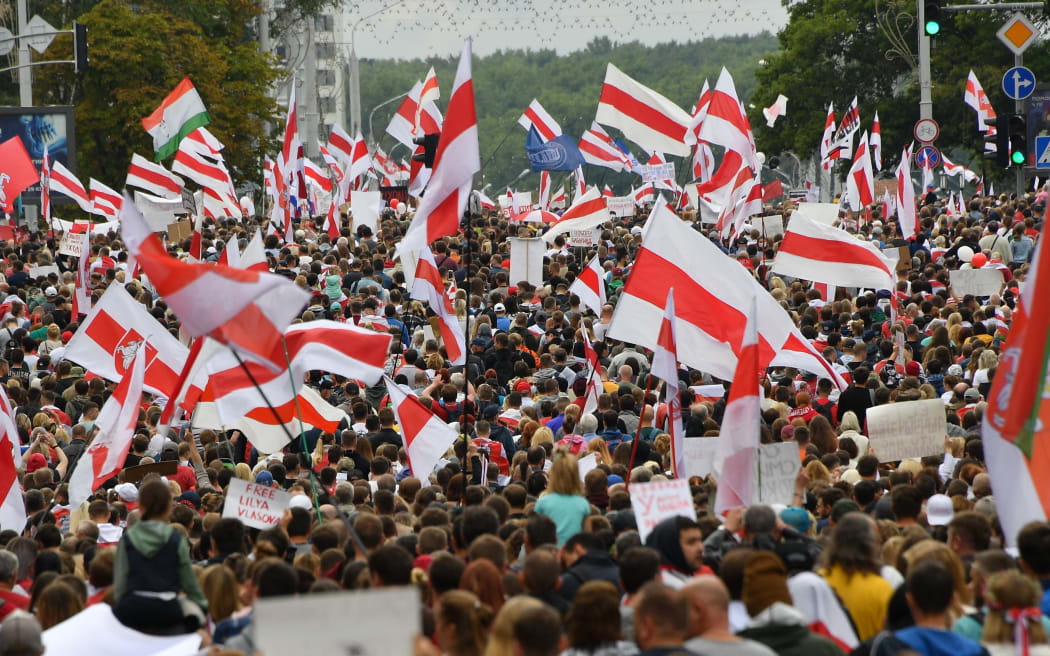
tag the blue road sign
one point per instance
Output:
(1018, 83)
(1042, 152)
(928, 157)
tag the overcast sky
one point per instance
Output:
(420, 28)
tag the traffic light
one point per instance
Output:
(932, 17)
(430, 146)
(1018, 140)
(80, 57)
(998, 138)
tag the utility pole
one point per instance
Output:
(310, 127)
(264, 43)
(1020, 107)
(355, 91)
(925, 85)
(25, 71)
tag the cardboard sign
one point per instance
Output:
(159, 212)
(189, 202)
(979, 282)
(584, 238)
(654, 502)
(826, 213)
(526, 260)
(699, 456)
(911, 429)
(180, 230)
(900, 255)
(138, 472)
(73, 243)
(771, 226)
(279, 623)
(255, 505)
(620, 206)
(777, 466)
(365, 207)
(657, 172)
(42, 270)
(585, 464)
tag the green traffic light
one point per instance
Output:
(1017, 157)
(932, 27)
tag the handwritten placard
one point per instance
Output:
(657, 172)
(778, 466)
(583, 237)
(73, 243)
(699, 455)
(257, 506)
(620, 206)
(585, 464)
(911, 429)
(978, 282)
(654, 502)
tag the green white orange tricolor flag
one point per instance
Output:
(181, 112)
(1016, 430)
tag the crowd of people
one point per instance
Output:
(512, 551)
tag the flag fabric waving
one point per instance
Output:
(643, 115)
(665, 367)
(860, 182)
(153, 178)
(45, 188)
(598, 149)
(404, 120)
(827, 152)
(726, 124)
(875, 143)
(557, 154)
(821, 253)
(428, 93)
(17, 172)
(457, 160)
(776, 110)
(12, 506)
(64, 182)
(590, 286)
(975, 97)
(104, 200)
(105, 456)
(589, 211)
(536, 116)
(182, 111)
(426, 437)
(429, 286)
(906, 196)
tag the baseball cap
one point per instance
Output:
(972, 395)
(499, 307)
(127, 492)
(522, 386)
(36, 461)
(796, 517)
(20, 634)
(300, 501)
(955, 370)
(50, 291)
(939, 510)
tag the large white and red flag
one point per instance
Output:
(710, 290)
(665, 367)
(426, 437)
(317, 176)
(457, 160)
(875, 143)
(589, 211)
(429, 286)
(818, 252)
(64, 182)
(644, 116)
(1016, 427)
(116, 329)
(255, 309)
(45, 188)
(860, 181)
(828, 154)
(975, 97)
(594, 375)
(644, 195)
(598, 149)
(536, 116)
(340, 144)
(116, 422)
(153, 178)
(105, 201)
(726, 124)
(428, 94)
(590, 285)
(906, 216)
(403, 122)
(12, 506)
(738, 439)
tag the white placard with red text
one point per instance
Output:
(654, 502)
(257, 506)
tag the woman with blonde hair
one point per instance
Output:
(501, 638)
(1013, 612)
(220, 587)
(563, 501)
(462, 623)
(932, 549)
(543, 435)
(600, 447)
(243, 471)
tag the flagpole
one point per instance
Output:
(638, 433)
(269, 405)
(302, 430)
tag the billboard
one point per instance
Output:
(1038, 118)
(39, 126)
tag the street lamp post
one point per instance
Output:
(372, 141)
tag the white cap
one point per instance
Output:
(300, 501)
(499, 307)
(939, 510)
(50, 291)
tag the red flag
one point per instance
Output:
(738, 440)
(772, 190)
(16, 172)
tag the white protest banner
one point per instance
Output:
(584, 238)
(699, 455)
(42, 270)
(778, 466)
(96, 630)
(657, 172)
(257, 506)
(365, 207)
(978, 282)
(526, 260)
(279, 623)
(826, 213)
(73, 243)
(523, 199)
(159, 212)
(655, 502)
(771, 226)
(910, 429)
(585, 464)
(620, 206)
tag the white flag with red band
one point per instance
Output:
(598, 149)
(12, 506)
(116, 422)
(906, 216)
(254, 256)
(45, 188)
(821, 253)
(231, 254)
(256, 306)
(726, 124)
(545, 190)
(64, 182)
(426, 437)
(429, 286)
(559, 198)
(590, 285)
(738, 440)
(589, 211)
(644, 116)
(827, 152)
(458, 158)
(114, 332)
(317, 176)
(776, 110)
(153, 178)
(536, 115)
(875, 143)
(975, 97)
(105, 201)
(700, 111)
(403, 121)
(665, 367)
(428, 93)
(594, 375)
(710, 289)
(340, 144)
(860, 181)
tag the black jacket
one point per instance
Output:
(591, 566)
(857, 399)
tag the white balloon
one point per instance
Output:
(965, 253)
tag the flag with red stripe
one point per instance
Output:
(340, 144)
(65, 183)
(429, 286)
(590, 285)
(589, 211)
(738, 439)
(821, 253)
(665, 367)
(598, 149)
(426, 437)
(644, 116)
(105, 201)
(428, 94)
(536, 116)
(153, 178)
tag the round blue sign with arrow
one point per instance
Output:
(1018, 83)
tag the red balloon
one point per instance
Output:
(393, 203)
(979, 260)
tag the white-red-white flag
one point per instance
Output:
(594, 376)
(404, 119)
(317, 176)
(64, 182)
(665, 367)
(254, 256)
(598, 149)
(644, 116)
(726, 124)
(559, 198)
(738, 440)
(429, 286)
(153, 177)
(116, 422)
(231, 254)
(45, 188)
(875, 142)
(700, 111)
(975, 97)
(12, 506)
(776, 110)
(458, 158)
(589, 211)
(827, 152)
(545, 190)
(906, 216)
(426, 437)
(536, 115)
(340, 144)
(860, 181)
(818, 252)
(581, 184)
(590, 285)
(82, 291)
(428, 94)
